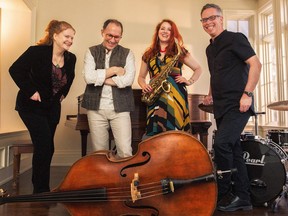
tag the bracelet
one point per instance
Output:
(191, 81)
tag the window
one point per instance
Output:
(272, 50)
(273, 41)
(238, 26)
(242, 21)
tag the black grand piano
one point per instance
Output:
(199, 121)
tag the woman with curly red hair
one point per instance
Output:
(170, 111)
(44, 74)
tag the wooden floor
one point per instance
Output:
(58, 173)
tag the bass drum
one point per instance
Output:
(266, 170)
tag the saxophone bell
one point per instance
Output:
(166, 86)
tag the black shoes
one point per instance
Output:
(234, 203)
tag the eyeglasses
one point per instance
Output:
(211, 18)
(110, 36)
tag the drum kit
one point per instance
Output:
(266, 161)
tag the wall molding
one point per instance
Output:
(60, 157)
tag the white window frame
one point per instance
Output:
(273, 92)
(263, 96)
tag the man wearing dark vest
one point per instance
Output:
(109, 71)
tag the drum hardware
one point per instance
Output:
(258, 183)
(247, 135)
(279, 198)
(256, 121)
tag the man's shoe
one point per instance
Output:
(235, 204)
(226, 199)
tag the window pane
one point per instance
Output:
(244, 27)
(232, 25)
(270, 23)
(284, 62)
(238, 26)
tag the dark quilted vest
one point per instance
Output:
(123, 99)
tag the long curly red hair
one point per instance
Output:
(171, 49)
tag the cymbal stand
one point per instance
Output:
(256, 122)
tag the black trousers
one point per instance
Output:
(228, 154)
(42, 130)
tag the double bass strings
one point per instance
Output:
(107, 194)
(89, 195)
(147, 190)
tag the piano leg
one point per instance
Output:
(201, 128)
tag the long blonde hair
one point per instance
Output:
(53, 27)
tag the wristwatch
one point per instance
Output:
(249, 94)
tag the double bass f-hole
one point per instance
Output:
(146, 156)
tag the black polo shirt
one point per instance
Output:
(226, 57)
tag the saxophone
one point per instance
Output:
(160, 84)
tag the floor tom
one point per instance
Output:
(279, 136)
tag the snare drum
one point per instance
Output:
(266, 170)
(279, 136)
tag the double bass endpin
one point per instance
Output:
(220, 172)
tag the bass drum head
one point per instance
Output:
(266, 171)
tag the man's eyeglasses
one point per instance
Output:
(211, 18)
(110, 36)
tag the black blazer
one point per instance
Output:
(32, 72)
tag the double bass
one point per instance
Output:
(171, 174)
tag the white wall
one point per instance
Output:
(15, 38)
(139, 18)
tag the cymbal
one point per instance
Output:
(280, 105)
(206, 108)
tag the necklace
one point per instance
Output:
(58, 62)
(162, 51)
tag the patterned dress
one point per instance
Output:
(170, 111)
